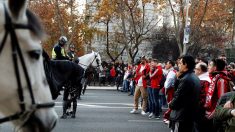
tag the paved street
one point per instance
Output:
(104, 110)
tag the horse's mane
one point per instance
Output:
(86, 55)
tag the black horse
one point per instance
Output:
(63, 73)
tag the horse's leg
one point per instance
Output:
(85, 86)
(65, 103)
(74, 107)
(74, 98)
(79, 90)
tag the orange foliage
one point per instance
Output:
(46, 10)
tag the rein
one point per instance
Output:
(17, 54)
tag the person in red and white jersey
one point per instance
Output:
(141, 86)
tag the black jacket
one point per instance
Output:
(186, 98)
(59, 56)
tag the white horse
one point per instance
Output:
(91, 59)
(25, 98)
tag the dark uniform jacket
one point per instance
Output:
(186, 98)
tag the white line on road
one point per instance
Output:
(145, 121)
(101, 107)
(98, 105)
(128, 104)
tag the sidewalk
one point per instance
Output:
(102, 87)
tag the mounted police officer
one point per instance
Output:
(58, 52)
(70, 89)
(71, 53)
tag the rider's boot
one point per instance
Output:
(65, 106)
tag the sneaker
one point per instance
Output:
(150, 115)
(143, 113)
(134, 111)
(167, 122)
(157, 117)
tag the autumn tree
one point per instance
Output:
(60, 17)
(211, 24)
(140, 24)
(107, 15)
(132, 24)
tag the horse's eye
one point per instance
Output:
(35, 54)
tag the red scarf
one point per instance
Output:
(211, 92)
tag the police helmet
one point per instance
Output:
(63, 40)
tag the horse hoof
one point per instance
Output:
(63, 117)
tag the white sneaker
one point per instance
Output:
(143, 113)
(134, 111)
(166, 121)
(151, 114)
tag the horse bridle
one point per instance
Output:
(95, 59)
(17, 53)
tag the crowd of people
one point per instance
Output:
(192, 89)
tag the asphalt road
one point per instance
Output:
(103, 111)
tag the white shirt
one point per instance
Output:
(126, 75)
(170, 78)
(140, 81)
(205, 76)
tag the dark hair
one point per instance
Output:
(203, 67)
(137, 62)
(220, 64)
(189, 60)
(154, 60)
(171, 62)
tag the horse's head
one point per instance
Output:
(97, 61)
(25, 97)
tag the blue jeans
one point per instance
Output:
(162, 99)
(154, 105)
(126, 84)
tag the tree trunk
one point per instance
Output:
(177, 34)
(59, 18)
